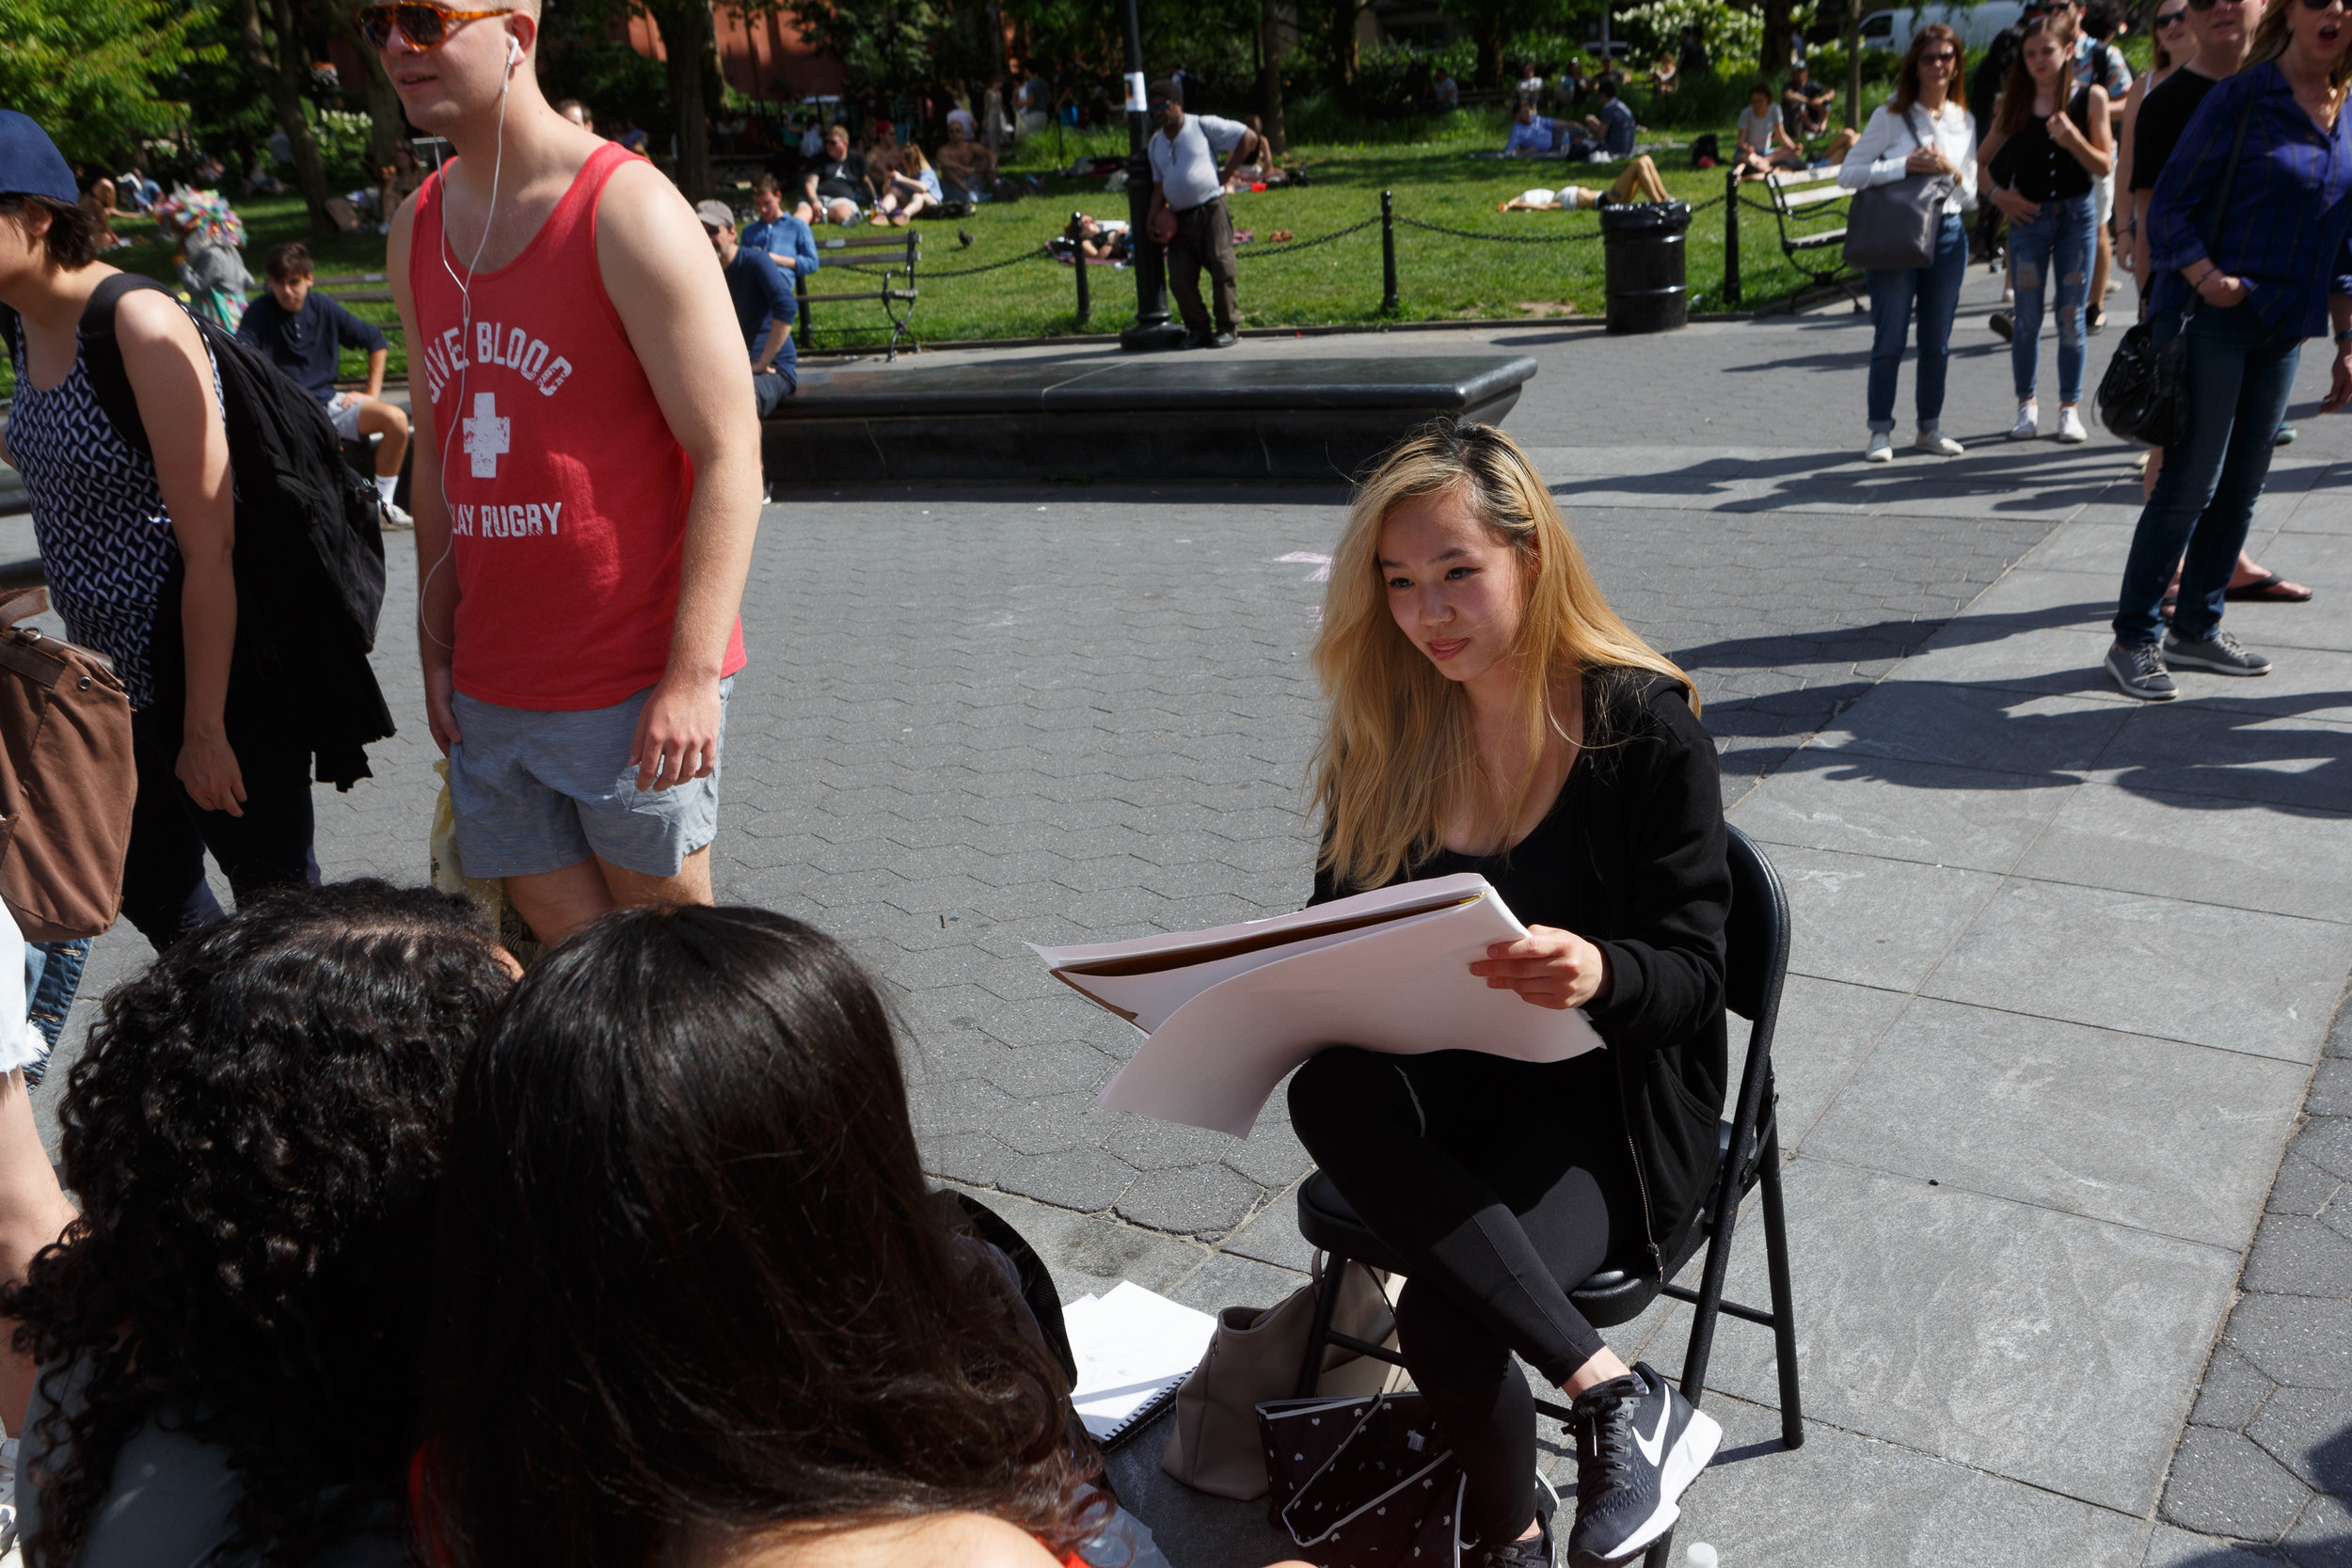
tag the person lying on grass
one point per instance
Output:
(1639, 174)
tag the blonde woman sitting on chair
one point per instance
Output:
(1490, 713)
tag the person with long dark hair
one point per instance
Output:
(231, 1332)
(1923, 129)
(1490, 713)
(699, 1306)
(2052, 141)
(2246, 285)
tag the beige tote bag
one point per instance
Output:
(1254, 1356)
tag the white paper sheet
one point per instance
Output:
(1226, 1026)
(1130, 1345)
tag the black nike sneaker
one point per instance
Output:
(1639, 1443)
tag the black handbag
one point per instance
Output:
(1363, 1483)
(1895, 227)
(2144, 396)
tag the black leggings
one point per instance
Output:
(164, 891)
(1496, 1180)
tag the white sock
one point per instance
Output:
(386, 484)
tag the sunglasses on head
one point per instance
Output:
(424, 26)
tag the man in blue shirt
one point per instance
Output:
(301, 331)
(1614, 126)
(778, 232)
(763, 307)
(1531, 135)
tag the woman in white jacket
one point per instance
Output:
(1923, 129)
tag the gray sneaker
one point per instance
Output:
(2138, 668)
(2221, 653)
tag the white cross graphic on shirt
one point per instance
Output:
(485, 435)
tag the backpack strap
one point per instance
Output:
(102, 356)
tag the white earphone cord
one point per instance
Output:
(464, 330)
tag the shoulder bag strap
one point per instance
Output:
(101, 356)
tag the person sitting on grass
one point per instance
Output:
(834, 189)
(1765, 143)
(912, 187)
(301, 331)
(1612, 128)
(967, 170)
(699, 1306)
(882, 153)
(1639, 175)
(1533, 136)
(1806, 103)
(231, 1332)
(1665, 75)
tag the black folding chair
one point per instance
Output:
(1756, 963)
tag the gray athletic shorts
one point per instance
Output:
(537, 791)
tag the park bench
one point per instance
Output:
(1186, 418)
(1810, 207)
(907, 241)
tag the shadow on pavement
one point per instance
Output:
(2024, 476)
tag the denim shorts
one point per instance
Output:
(538, 791)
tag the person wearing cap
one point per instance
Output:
(1188, 212)
(763, 307)
(117, 523)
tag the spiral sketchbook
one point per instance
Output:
(1229, 1011)
(1134, 1348)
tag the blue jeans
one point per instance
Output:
(2055, 243)
(53, 977)
(2240, 371)
(1936, 287)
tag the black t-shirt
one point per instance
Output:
(2164, 113)
(844, 178)
(2037, 167)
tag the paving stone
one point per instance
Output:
(2331, 1085)
(2176, 1138)
(1202, 1200)
(2322, 1536)
(2169, 1547)
(1961, 816)
(2234, 1389)
(2233, 978)
(1088, 1253)
(1228, 1279)
(2310, 1432)
(2224, 1484)
(2294, 1340)
(2298, 1257)
(2176, 846)
(1846, 1501)
(1272, 1235)
(1875, 922)
(2302, 1188)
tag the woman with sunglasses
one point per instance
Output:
(1923, 129)
(2245, 286)
(2050, 145)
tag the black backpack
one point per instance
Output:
(309, 554)
(1706, 152)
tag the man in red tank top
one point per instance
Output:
(586, 481)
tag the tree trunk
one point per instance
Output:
(1853, 63)
(1772, 59)
(1270, 78)
(691, 49)
(1342, 25)
(283, 79)
(1489, 50)
(387, 126)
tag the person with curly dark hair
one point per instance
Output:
(699, 1306)
(231, 1332)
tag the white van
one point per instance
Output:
(1975, 24)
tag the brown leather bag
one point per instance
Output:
(67, 780)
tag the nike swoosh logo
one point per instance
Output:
(1655, 1444)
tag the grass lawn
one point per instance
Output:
(1437, 180)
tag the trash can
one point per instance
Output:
(1646, 252)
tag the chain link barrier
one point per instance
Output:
(1254, 252)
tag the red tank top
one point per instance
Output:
(567, 491)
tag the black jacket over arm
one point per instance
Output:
(1631, 859)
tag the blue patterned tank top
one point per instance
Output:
(106, 544)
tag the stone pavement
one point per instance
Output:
(2063, 966)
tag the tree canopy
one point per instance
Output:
(98, 74)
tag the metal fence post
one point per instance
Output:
(1731, 236)
(1086, 304)
(1388, 253)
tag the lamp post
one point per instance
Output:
(1153, 329)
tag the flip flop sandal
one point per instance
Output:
(2263, 591)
